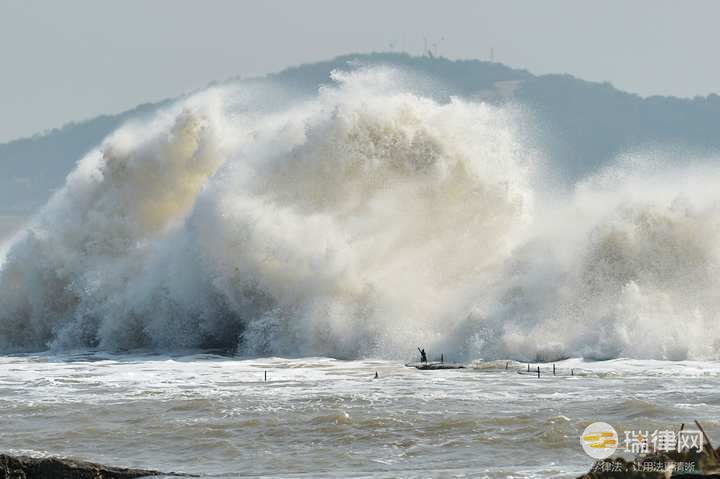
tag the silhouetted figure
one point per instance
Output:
(442, 357)
(423, 356)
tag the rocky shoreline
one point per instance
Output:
(24, 467)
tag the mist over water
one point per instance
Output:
(362, 222)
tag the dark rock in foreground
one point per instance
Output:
(23, 467)
(689, 464)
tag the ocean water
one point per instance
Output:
(319, 417)
(354, 223)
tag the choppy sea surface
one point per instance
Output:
(318, 417)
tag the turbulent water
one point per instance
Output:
(318, 417)
(356, 224)
(361, 222)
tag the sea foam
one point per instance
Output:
(362, 221)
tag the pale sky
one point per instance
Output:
(70, 60)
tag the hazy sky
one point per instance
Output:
(70, 60)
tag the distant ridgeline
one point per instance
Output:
(32, 168)
(583, 124)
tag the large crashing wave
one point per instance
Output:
(361, 222)
(632, 271)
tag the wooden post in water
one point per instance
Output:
(528, 367)
(506, 364)
(572, 372)
(266, 375)
(538, 371)
(707, 446)
(553, 370)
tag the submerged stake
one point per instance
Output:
(538, 371)
(266, 375)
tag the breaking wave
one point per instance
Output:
(362, 221)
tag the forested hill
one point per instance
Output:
(583, 123)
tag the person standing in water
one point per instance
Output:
(423, 356)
